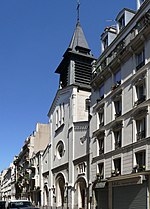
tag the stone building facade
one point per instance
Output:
(68, 176)
(120, 107)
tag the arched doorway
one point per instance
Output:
(81, 192)
(60, 190)
(46, 196)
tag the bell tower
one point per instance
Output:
(75, 67)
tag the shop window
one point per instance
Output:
(140, 161)
(141, 128)
(140, 59)
(100, 174)
(117, 167)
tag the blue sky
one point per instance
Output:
(34, 34)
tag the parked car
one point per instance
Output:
(30, 207)
(2, 204)
(15, 204)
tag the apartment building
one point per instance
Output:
(23, 179)
(120, 108)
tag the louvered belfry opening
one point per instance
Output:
(83, 72)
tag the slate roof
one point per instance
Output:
(78, 39)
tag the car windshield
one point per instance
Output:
(20, 204)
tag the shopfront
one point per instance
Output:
(130, 193)
(101, 195)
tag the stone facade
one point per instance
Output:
(121, 115)
(94, 152)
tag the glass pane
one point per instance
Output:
(117, 76)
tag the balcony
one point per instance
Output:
(140, 135)
(115, 85)
(140, 100)
(118, 114)
(117, 144)
(140, 65)
(101, 124)
(115, 172)
(99, 176)
(101, 150)
(98, 100)
(138, 168)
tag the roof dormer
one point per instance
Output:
(123, 18)
(139, 3)
(107, 37)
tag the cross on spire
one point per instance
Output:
(78, 11)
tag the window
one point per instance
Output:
(140, 93)
(140, 161)
(105, 42)
(101, 116)
(57, 118)
(117, 77)
(117, 167)
(100, 174)
(60, 115)
(117, 99)
(118, 107)
(118, 138)
(87, 104)
(101, 145)
(60, 149)
(81, 168)
(100, 142)
(101, 92)
(117, 80)
(121, 22)
(141, 128)
(63, 112)
(140, 59)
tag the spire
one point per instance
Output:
(78, 39)
(78, 42)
